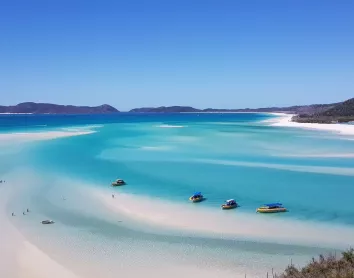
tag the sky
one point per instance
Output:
(201, 53)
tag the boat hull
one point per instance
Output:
(118, 184)
(48, 222)
(229, 207)
(196, 200)
(268, 210)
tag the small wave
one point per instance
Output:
(184, 139)
(318, 155)
(171, 126)
(295, 168)
(92, 126)
(16, 113)
(155, 148)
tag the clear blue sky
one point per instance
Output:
(221, 54)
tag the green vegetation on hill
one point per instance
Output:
(324, 267)
(297, 109)
(340, 113)
(345, 109)
(49, 108)
(164, 109)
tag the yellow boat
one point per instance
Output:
(229, 204)
(271, 208)
(196, 197)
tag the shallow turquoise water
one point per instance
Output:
(222, 155)
(169, 156)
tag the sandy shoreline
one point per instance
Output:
(284, 120)
(217, 223)
(19, 257)
(37, 136)
(23, 258)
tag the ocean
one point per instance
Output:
(61, 168)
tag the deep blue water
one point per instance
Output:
(30, 121)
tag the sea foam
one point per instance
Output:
(171, 126)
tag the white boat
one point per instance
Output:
(118, 182)
(229, 204)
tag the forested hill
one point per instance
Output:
(48, 108)
(339, 113)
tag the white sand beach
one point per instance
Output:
(20, 258)
(213, 223)
(24, 256)
(284, 120)
(38, 136)
(98, 240)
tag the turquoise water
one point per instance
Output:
(222, 155)
(169, 156)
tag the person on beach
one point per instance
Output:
(112, 195)
(13, 214)
(27, 210)
(23, 213)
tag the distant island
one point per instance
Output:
(48, 108)
(340, 112)
(299, 109)
(165, 109)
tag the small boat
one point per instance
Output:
(118, 182)
(196, 197)
(48, 222)
(229, 204)
(271, 208)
